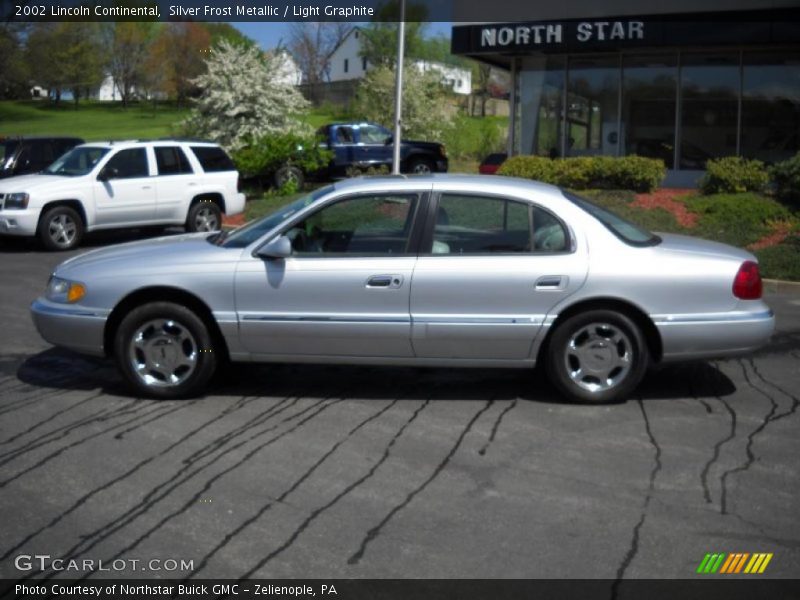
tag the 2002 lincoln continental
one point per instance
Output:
(455, 271)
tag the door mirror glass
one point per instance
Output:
(280, 247)
(108, 173)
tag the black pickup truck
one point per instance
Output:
(365, 145)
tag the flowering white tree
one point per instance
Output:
(243, 97)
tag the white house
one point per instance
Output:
(288, 71)
(347, 63)
(108, 92)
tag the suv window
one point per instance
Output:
(213, 159)
(128, 164)
(78, 161)
(362, 225)
(171, 161)
(483, 225)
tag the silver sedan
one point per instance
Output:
(446, 271)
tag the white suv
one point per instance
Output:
(122, 184)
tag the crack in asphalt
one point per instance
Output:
(718, 445)
(496, 426)
(54, 416)
(633, 549)
(375, 531)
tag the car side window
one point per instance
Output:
(373, 225)
(344, 135)
(468, 224)
(171, 160)
(128, 164)
(373, 135)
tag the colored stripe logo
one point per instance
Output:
(735, 562)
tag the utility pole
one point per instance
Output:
(398, 88)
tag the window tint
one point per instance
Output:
(370, 134)
(128, 163)
(213, 159)
(364, 225)
(171, 161)
(479, 225)
(624, 230)
(78, 161)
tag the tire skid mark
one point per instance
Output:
(633, 549)
(86, 497)
(49, 419)
(717, 446)
(751, 458)
(496, 426)
(99, 416)
(375, 531)
(83, 440)
(318, 511)
(286, 493)
(322, 404)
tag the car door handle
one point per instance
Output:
(385, 281)
(552, 282)
(147, 187)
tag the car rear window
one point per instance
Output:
(625, 230)
(213, 159)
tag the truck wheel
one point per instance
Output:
(165, 351)
(420, 166)
(289, 173)
(60, 228)
(204, 216)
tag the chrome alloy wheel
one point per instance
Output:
(163, 353)
(62, 229)
(206, 220)
(598, 357)
(421, 168)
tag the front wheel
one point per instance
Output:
(60, 228)
(204, 216)
(165, 351)
(597, 357)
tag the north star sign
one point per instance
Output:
(550, 34)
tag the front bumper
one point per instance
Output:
(719, 335)
(19, 222)
(74, 327)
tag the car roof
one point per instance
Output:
(461, 182)
(135, 143)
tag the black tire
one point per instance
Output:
(600, 349)
(289, 173)
(165, 351)
(60, 228)
(420, 166)
(204, 215)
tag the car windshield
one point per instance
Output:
(247, 234)
(622, 228)
(6, 152)
(76, 162)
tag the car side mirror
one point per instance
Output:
(280, 247)
(107, 174)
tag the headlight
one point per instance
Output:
(18, 201)
(63, 290)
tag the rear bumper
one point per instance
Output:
(714, 335)
(73, 327)
(235, 205)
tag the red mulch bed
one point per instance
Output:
(234, 220)
(779, 233)
(665, 198)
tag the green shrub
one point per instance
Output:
(737, 219)
(734, 174)
(629, 172)
(262, 157)
(786, 176)
(474, 137)
(781, 261)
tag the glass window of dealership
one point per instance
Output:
(682, 104)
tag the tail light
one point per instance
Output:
(747, 283)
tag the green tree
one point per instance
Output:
(128, 45)
(13, 67)
(425, 114)
(79, 56)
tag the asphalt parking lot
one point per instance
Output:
(302, 471)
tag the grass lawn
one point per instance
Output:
(91, 120)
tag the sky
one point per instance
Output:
(269, 35)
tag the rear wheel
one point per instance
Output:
(204, 216)
(596, 357)
(420, 166)
(60, 228)
(289, 174)
(165, 351)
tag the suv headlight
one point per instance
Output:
(63, 290)
(17, 201)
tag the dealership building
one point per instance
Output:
(680, 80)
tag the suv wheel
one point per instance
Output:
(204, 216)
(60, 228)
(165, 350)
(596, 357)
